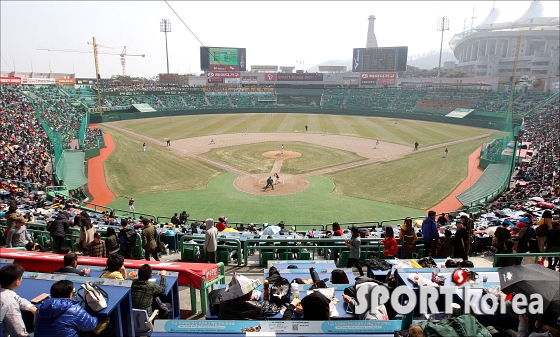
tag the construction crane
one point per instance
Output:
(123, 54)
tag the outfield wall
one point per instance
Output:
(481, 121)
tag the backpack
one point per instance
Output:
(94, 296)
(409, 244)
(462, 326)
(128, 240)
(215, 298)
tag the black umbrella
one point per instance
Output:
(535, 279)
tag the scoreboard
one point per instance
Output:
(223, 59)
(379, 59)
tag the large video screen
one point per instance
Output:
(223, 59)
(379, 59)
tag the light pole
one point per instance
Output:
(442, 25)
(165, 26)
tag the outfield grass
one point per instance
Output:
(315, 205)
(406, 132)
(420, 180)
(249, 157)
(129, 171)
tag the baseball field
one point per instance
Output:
(343, 168)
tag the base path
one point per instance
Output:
(97, 185)
(451, 203)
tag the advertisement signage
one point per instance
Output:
(299, 77)
(223, 59)
(386, 81)
(378, 75)
(369, 82)
(85, 81)
(270, 77)
(249, 79)
(413, 84)
(224, 68)
(222, 74)
(232, 80)
(65, 80)
(168, 78)
(341, 327)
(215, 80)
(379, 59)
(10, 80)
(38, 81)
(329, 78)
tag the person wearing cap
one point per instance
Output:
(236, 300)
(18, 236)
(221, 225)
(316, 307)
(149, 235)
(96, 248)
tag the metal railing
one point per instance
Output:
(536, 255)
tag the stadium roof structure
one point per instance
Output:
(536, 17)
(332, 69)
(264, 68)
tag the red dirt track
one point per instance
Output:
(451, 203)
(96, 174)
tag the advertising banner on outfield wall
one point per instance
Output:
(215, 80)
(65, 80)
(378, 75)
(270, 77)
(10, 80)
(299, 77)
(222, 74)
(232, 80)
(37, 81)
(249, 79)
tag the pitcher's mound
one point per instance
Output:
(255, 184)
(279, 155)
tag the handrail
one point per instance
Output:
(536, 255)
(237, 242)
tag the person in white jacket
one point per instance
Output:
(379, 314)
(210, 241)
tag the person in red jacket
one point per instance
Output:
(222, 224)
(390, 245)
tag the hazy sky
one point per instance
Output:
(284, 33)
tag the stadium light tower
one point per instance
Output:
(165, 26)
(442, 25)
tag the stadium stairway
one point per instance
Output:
(494, 176)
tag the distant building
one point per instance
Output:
(490, 48)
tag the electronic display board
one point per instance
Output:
(223, 59)
(379, 59)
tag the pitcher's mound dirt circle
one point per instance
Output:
(279, 155)
(255, 184)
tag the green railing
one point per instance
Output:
(222, 244)
(536, 255)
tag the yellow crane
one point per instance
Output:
(122, 54)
